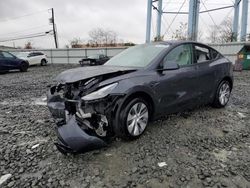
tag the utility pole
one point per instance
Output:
(244, 16)
(193, 19)
(149, 16)
(236, 20)
(159, 15)
(54, 27)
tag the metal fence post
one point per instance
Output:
(51, 58)
(68, 55)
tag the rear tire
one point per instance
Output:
(222, 94)
(43, 62)
(133, 119)
(24, 67)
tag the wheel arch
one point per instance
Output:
(144, 95)
(24, 62)
(229, 79)
(43, 59)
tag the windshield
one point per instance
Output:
(138, 56)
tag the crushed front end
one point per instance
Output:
(84, 114)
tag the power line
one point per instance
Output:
(209, 13)
(29, 29)
(166, 24)
(174, 17)
(18, 17)
(26, 36)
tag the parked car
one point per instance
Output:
(140, 84)
(34, 58)
(97, 59)
(8, 61)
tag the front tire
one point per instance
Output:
(24, 67)
(43, 62)
(134, 119)
(222, 94)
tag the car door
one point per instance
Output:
(32, 58)
(205, 73)
(37, 58)
(176, 89)
(3, 62)
(9, 61)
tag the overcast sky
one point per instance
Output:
(76, 18)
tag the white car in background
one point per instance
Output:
(34, 58)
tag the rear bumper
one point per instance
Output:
(73, 139)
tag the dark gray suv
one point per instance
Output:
(142, 83)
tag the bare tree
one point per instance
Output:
(102, 37)
(76, 42)
(28, 45)
(213, 34)
(181, 32)
(161, 38)
(226, 30)
(222, 33)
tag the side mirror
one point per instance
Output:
(171, 65)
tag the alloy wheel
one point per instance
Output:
(224, 93)
(137, 119)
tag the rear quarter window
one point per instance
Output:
(214, 54)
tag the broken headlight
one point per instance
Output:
(101, 93)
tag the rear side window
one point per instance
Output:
(31, 55)
(202, 54)
(35, 54)
(39, 53)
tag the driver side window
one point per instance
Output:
(182, 55)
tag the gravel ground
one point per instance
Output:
(206, 147)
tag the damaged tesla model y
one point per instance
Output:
(141, 83)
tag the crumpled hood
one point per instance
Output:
(81, 73)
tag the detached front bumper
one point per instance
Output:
(73, 139)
